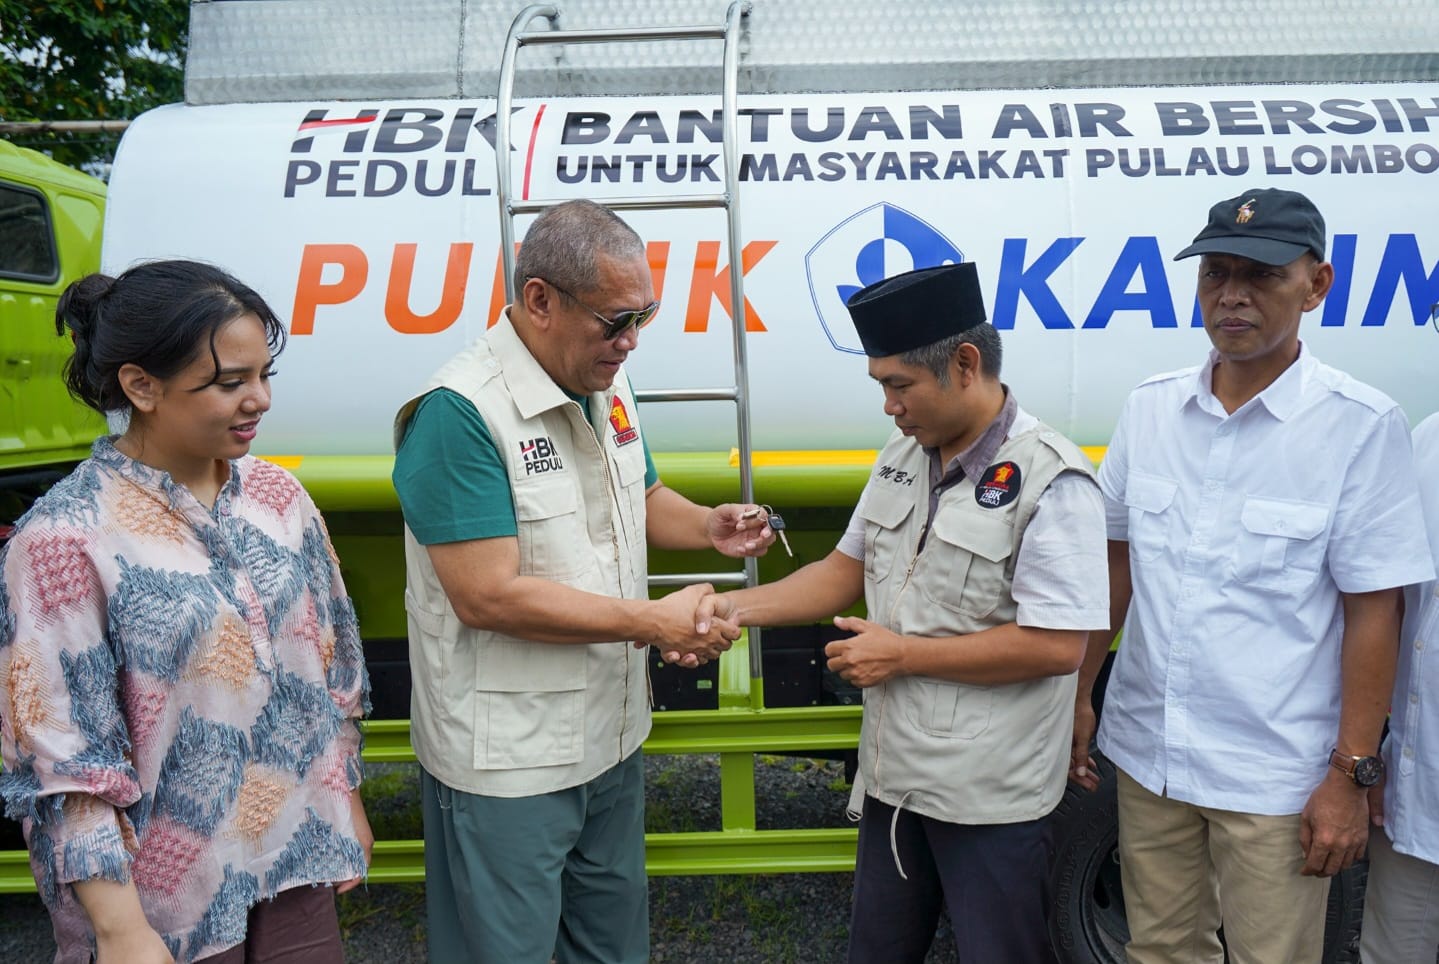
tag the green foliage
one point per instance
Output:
(63, 60)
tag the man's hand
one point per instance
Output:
(715, 606)
(1082, 771)
(712, 609)
(739, 530)
(363, 833)
(675, 632)
(873, 656)
(1334, 826)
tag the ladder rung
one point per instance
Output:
(612, 34)
(679, 201)
(690, 578)
(687, 395)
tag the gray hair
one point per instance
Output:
(561, 246)
(936, 355)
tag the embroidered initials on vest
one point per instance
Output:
(540, 455)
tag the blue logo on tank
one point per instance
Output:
(876, 243)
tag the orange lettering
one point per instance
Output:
(657, 253)
(707, 283)
(311, 290)
(452, 291)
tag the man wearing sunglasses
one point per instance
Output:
(530, 500)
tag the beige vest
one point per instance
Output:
(959, 753)
(496, 715)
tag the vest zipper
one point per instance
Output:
(884, 689)
(616, 517)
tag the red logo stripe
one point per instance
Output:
(530, 154)
(336, 122)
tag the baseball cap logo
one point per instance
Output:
(1246, 211)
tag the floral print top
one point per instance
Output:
(179, 691)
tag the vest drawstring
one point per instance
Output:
(893, 835)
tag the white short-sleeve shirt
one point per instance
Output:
(1243, 531)
(1411, 753)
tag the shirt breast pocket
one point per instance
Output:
(1281, 543)
(1152, 513)
(883, 536)
(968, 557)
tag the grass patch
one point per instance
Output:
(391, 903)
(391, 792)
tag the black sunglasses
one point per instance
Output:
(622, 322)
(1434, 315)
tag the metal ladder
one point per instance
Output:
(728, 32)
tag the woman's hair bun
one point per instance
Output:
(79, 305)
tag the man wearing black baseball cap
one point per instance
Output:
(978, 549)
(1263, 513)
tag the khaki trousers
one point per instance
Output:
(1401, 906)
(1187, 869)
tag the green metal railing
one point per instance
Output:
(737, 730)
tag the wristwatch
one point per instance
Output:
(1365, 771)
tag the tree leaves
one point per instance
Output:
(88, 60)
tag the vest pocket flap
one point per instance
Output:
(534, 502)
(630, 467)
(520, 666)
(991, 539)
(1292, 520)
(1149, 493)
(430, 623)
(885, 513)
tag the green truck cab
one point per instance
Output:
(50, 221)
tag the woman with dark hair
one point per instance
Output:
(180, 668)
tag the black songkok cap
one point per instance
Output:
(916, 308)
(1267, 225)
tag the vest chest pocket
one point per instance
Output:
(1152, 514)
(553, 543)
(965, 561)
(884, 546)
(1281, 543)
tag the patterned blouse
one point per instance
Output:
(178, 696)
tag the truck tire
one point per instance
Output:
(1087, 923)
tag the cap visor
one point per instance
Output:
(1262, 250)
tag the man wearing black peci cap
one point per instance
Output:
(1262, 513)
(977, 546)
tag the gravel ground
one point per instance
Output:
(767, 919)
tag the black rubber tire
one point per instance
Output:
(1087, 923)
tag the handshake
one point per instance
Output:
(692, 626)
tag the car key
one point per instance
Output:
(776, 522)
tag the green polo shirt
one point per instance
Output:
(451, 478)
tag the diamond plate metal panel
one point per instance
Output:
(244, 50)
(275, 50)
